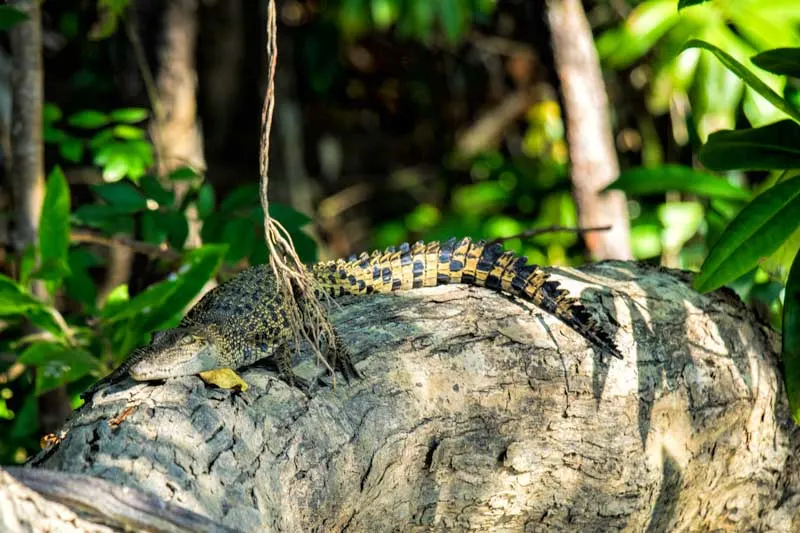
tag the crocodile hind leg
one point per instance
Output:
(339, 356)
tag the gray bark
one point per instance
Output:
(479, 412)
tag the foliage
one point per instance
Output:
(418, 19)
(656, 31)
(765, 230)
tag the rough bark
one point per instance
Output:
(176, 131)
(479, 412)
(27, 163)
(593, 158)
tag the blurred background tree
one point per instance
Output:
(396, 120)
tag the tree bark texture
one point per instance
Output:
(478, 412)
(592, 155)
(27, 150)
(27, 162)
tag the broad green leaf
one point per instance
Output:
(57, 364)
(201, 265)
(129, 115)
(206, 200)
(454, 19)
(152, 230)
(183, 173)
(646, 24)
(51, 112)
(116, 301)
(105, 217)
(240, 235)
(291, 219)
(122, 196)
(646, 241)
(353, 18)
(79, 284)
(71, 149)
(421, 17)
(681, 220)
(54, 224)
(778, 264)
(756, 232)
(88, 119)
(14, 299)
(154, 190)
(10, 17)
(790, 344)
(687, 3)
(658, 180)
(784, 61)
(776, 146)
(748, 77)
(177, 228)
(121, 159)
(384, 13)
(127, 132)
(162, 301)
(240, 197)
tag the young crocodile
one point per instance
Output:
(244, 320)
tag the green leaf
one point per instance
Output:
(756, 232)
(129, 115)
(658, 180)
(154, 190)
(183, 173)
(790, 345)
(748, 77)
(681, 220)
(453, 17)
(71, 149)
(646, 24)
(121, 159)
(206, 200)
(88, 119)
(14, 299)
(177, 228)
(57, 365)
(54, 224)
(353, 17)
(122, 196)
(116, 301)
(776, 146)
(240, 235)
(128, 132)
(79, 284)
(384, 13)
(291, 219)
(51, 112)
(688, 3)
(241, 197)
(105, 217)
(784, 61)
(10, 17)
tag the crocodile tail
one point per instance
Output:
(459, 261)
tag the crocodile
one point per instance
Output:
(245, 320)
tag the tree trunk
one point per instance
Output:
(477, 412)
(176, 131)
(27, 163)
(592, 155)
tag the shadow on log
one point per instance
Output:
(479, 412)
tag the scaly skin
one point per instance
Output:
(244, 320)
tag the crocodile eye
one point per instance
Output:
(187, 340)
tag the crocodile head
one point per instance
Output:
(182, 351)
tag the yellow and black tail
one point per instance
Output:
(471, 263)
